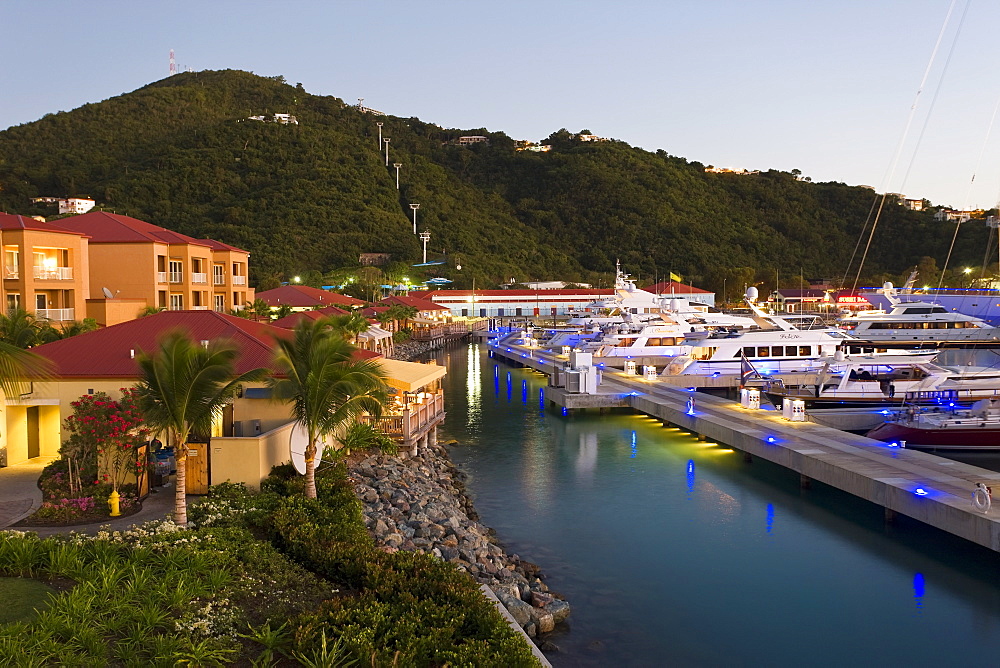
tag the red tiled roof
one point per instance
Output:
(674, 286)
(543, 294)
(107, 353)
(9, 221)
(290, 321)
(415, 302)
(104, 227)
(303, 295)
(218, 245)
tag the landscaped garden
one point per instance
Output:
(262, 579)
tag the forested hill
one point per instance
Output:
(313, 196)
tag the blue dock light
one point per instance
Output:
(884, 412)
(920, 491)
(772, 439)
(716, 374)
(691, 389)
(565, 412)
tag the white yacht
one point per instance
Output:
(886, 381)
(917, 321)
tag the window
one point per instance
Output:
(13, 301)
(764, 352)
(176, 272)
(176, 302)
(518, 312)
(220, 303)
(805, 351)
(465, 312)
(482, 313)
(218, 274)
(500, 312)
(11, 258)
(40, 300)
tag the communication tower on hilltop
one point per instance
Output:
(173, 63)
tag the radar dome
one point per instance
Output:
(675, 304)
(887, 285)
(752, 293)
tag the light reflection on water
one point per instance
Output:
(676, 552)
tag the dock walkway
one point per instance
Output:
(932, 489)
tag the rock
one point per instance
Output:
(559, 610)
(531, 629)
(540, 600)
(546, 622)
(381, 528)
(549, 646)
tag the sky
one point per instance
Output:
(823, 87)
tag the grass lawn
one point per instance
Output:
(22, 597)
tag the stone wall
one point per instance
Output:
(420, 504)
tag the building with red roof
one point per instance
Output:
(45, 268)
(251, 435)
(301, 297)
(290, 321)
(141, 264)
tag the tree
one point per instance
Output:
(282, 311)
(150, 310)
(20, 328)
(349, 325)
(182, 388)
(326, 385)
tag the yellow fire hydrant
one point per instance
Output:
(113, 503)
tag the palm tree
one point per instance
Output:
(349, 325)
(20, 328)
(327, 386)
(150, 310)
(182, 388)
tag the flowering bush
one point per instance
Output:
(104, 437)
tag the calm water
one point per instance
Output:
(675, 552)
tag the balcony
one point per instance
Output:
(11, 272)
(60, 314)
(218, 279)
(199, 278)
(53, 273)
(410, 422)
(239, 280)
(201, 308)
(176, 276)
(161, 277)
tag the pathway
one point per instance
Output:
(19, 493)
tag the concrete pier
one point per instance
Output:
(932, 489)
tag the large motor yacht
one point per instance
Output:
(917, 321)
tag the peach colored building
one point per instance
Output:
(142, 264)
(45, 268)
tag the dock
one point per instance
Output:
(928, 488)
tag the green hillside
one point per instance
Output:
(180, 153)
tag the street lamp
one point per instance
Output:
(967, 271)
(379, 135)
(414, 207)
(425, 236)
(397, 165)
(386, 140)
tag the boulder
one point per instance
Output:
(559, 610)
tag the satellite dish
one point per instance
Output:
(297, 442)
(108, 293)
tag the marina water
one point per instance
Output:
(677, 552)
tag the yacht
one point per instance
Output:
(917, 321)
(886, 381)
(976, 428)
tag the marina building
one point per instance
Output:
(304, 297)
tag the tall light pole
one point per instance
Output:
(379, 135)
(397, 165)
(425, 236)
(414, 207)
(386, 140)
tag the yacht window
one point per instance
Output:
(750, 351)
(805, 351)
(763, 352)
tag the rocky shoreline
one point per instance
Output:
(420, 504)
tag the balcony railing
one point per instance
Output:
(54, 273)
(161, 277)
(409, 421)
(56, 313)
(11, 272)
(439, 331)
(199, 278)
(218, 279)
(201, 308)
(239, 280)
(176, 276)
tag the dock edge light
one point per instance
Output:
(772, 439)
(920, 491)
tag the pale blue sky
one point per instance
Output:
(824, 87)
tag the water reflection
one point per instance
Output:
(673, 570)
(473, 391)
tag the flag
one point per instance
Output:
(746, 370)
(675, 277)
